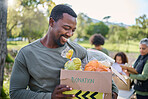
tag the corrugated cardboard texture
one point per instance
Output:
(87, 80)
(122, 85)
(119, 75)
(129, 69)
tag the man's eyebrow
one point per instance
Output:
(67, 26)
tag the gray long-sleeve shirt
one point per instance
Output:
(39, 68)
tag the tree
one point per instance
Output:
(140, 30)
(133, 33)
(142, 26)
(82, 22)
(14, 19)
(106, 18)
(99, 27)
(34, 24)
(118, 35)
(28, 19)
(3, 39)
(35, 3)
(17, 14)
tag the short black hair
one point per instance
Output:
(123, 57)
(58, 10)
(97, 39)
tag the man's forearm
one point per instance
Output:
(28, 94)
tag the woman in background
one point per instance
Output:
(141, 66)
(98, 40)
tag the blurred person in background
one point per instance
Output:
(98, 40)
(141, 66)
(120, 59)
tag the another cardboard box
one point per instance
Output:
(88, 81)
(121, 85)
(129, 69)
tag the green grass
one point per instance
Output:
(6, 81)
(17, 45)
(5, 90)
(132, 47)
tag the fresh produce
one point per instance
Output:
(94, 65)
(72, 64)
(69, 54)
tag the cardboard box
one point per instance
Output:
(122, 85)
(88, 81)
(129, 69)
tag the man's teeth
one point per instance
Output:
(65, 38)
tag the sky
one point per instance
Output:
(121, 11)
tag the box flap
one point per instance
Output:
(118, 75)
(129, 69)
(87, 80)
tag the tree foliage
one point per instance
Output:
(142, 25)
(13, 20)
(117, 34)
(99, 27)
(34, 24)
(34, 4)
(140, 30)
(106, 18)
(29, 18)
(82, 22)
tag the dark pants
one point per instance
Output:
(141, 97)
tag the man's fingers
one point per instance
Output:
(62, 86)
(64, 89)
(58, 92)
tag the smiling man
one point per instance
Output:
(36, 71)
(60, 29)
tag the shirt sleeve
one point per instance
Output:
(19, 81)
(143, 76)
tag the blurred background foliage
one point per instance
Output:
(29, 19)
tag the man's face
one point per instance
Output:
(143, 49)
(64, 29)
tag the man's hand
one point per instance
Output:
(57, 93)
(114, 95)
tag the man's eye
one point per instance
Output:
(66, 28)
(143, 48)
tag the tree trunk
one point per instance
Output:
(3, 39)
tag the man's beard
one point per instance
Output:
(59, 43)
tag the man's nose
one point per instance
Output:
(70, 33)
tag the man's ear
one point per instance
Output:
(51, 21)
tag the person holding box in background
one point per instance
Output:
(141, 66)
